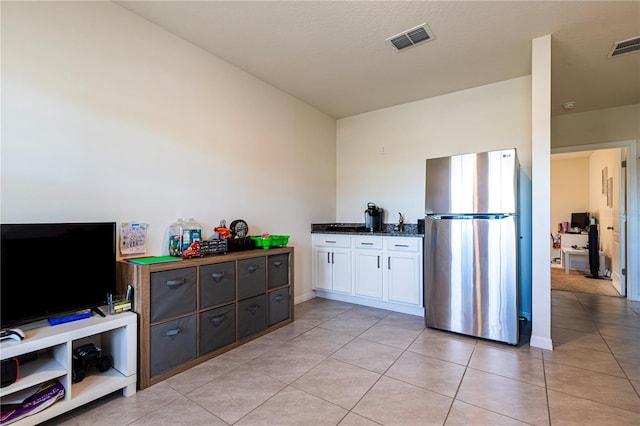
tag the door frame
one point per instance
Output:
(633, 228)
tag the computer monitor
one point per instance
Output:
(580, 220)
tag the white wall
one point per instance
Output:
(382, 154)
(107, 117)
(569, 189)
(605, 125)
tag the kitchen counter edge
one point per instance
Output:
(411, 230)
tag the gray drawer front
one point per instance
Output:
(252, 316)
(217, 328)
(172, 344)
(278, 305)
(252, 277)
(278, 270)
(173, 293)
(217, 284)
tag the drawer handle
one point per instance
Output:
(277, 264)
(217, 276)
(252, 268)
(217, 320)
(366, 244)
(253, 308)
(330, 242)
(278, 297)
(173, 332)
(402, 245)
(171, 283)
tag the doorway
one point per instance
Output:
(585, 179)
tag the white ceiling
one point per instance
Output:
(333, 55)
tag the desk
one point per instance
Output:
(568, 252)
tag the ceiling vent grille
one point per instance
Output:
(410, 37)
(625, 46)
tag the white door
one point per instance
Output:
(618, 261)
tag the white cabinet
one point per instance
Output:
(404, 270)
(578, 240)
(367, 265)
(387, 270)
(116, 335)
(331, 263)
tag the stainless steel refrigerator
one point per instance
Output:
(471, 245)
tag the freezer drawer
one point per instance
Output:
(471, 277)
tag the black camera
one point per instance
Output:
(86, 357)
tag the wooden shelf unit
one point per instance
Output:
(203, 307)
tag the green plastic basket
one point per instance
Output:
(270, 241)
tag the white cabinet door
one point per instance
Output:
(331, 263)
(403, 270)
(322, 268)
(403, 277)
(341, 270)
(368, 273)
(367, 264)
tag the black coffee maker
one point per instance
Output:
(373, 218)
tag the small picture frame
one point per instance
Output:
(605, 172)
(610, 193)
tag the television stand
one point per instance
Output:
(98, 311)
(116, 335)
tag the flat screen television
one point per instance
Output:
(53, 269)
(580, 220)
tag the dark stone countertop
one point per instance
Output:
(410, 229)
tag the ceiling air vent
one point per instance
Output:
(411, 37)
(625, 46)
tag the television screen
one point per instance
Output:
(580, 220)
(52, 269)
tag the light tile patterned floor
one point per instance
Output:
(352, 365)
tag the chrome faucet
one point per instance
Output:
(400, 225)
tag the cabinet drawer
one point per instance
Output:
(331, 240)
(172, 344)
(367, 242)
(404, 243)
(217, 328)
(173, 293)
(252, 277)
(251, 316)
(279, 305)
(278, 270)
(217, 284)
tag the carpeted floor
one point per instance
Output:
(577, 281)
